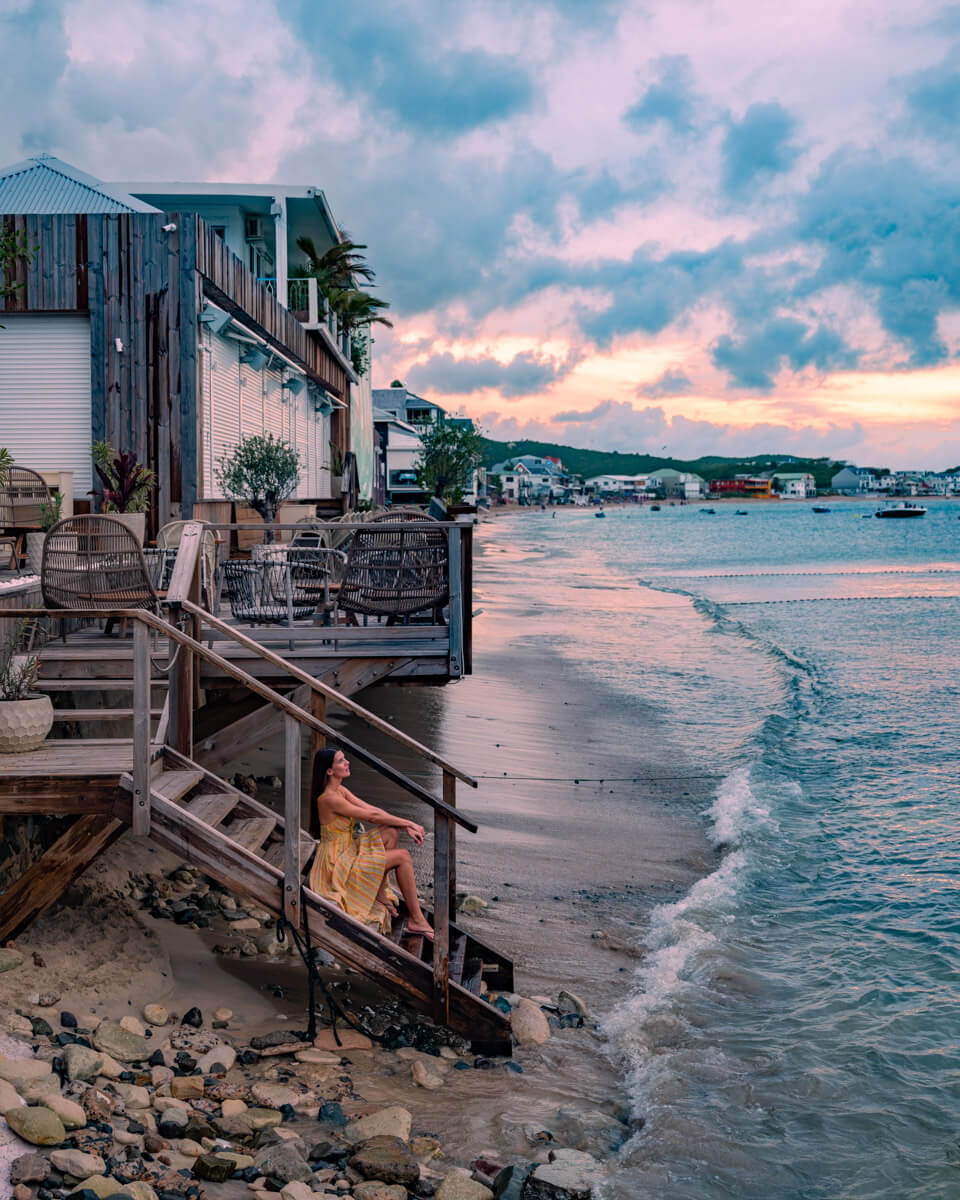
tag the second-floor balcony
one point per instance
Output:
(308, 304)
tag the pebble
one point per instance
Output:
(132, 1025)
(424, 1078)
(82, 1062)
(394, 1121)
(69, 1112)
(9, 1096)
(350, 1039)
(77, 1163)
(113, 1039)
(223, 1014)
(461, 1187)
(29, 1168)
(9, 959)
(155, 1014)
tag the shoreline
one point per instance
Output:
(555, 862)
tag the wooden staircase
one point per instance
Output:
(239, 842)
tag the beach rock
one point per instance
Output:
(424, 1078)
(111, 1069)
(570, 1175)
(102, 1187)
(82, 1062)
(125, 1138)
(188, 1087)
(296, 1191)
(172, 1123)
(29, 1168)
(113, 1039)
(223, 1014)
(69, 1112)
(509, 1183)
(388, 1122)
(462, 1187)
(132, 1025)
(132, 1095)
(42, 1089)
(256, 1118)
(386, 1158)
(275, 1095)
(232, 1108)
(22, 1192)
(77, 1163)
(590, 1130)
(374, 1190)
(155, 1014)
(472, 905)
(139, 1190)
(350, 1039)
(23, 1073)
(96, 1104)
(213, 1168)
(318, 1058)
(38, 1126)
(284, 1162)
(9, 1096)
(529, 1024)
(9, 959)
(221, 1055)
(570, 1002)
(426, 1148)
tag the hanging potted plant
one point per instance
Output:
(50, 513)
(127, 485)
(26, 717)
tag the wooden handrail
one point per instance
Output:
(324, 689)
(261, 689)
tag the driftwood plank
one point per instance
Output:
(50, 876)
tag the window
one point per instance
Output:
(220, 231)
(403, 479)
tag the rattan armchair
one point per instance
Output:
(95, 562)
(396, 572)
(21, 499)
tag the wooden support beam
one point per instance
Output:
(356, 674)
(64, 796)
(291, 818)
(219, 751)
(318, 709)
(50, 876)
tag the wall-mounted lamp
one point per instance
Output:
(118, 342)
(253, 357)
(294, 385)
(171, 228)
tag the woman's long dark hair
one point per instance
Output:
(322, 762)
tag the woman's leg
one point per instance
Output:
(390, 837)
(400, 861)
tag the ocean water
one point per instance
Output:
(794, 1029)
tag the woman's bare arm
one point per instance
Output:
(347, 805)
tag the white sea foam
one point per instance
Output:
(736, 810)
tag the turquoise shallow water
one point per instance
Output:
(793, 1030)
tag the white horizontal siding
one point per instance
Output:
(45, 418)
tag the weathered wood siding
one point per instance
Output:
(229, 284)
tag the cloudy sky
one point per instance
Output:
(715, 226)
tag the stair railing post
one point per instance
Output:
(441, 917)
(291, 820)
(185, 584)
(141, 728)
(450, 797)
(455, 627)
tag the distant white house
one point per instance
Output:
(616, 485)
(794, 485)
(677, 485)
(529, 479)
(854, 481)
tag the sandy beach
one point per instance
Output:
(576, 835)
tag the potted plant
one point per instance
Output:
(336, 469)
(262, 471)
(127, 485)
(50, 513)
(25, 717)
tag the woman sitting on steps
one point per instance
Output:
(351, 868)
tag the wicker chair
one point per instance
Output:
(262, 593)
(21, 499)
(95, 562)
(394, 573)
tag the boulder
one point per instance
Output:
(389, 1122)
(570, 1002)
(284, 1162)
(22, 1073)
(9, 1096)
(38, 1126)
(213, 1168)
(387, 1159)
(155, 1014)
(591, 1130)
(424, 1078)
(374, 1190)
(77, 1163)
(529, 1024)
(113, 1039)
(570, 1175)
(9, 959)
(69, 1112)
(82, 1062)
(462, 1187)
(29, 1168)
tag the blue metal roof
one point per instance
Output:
(45, 184)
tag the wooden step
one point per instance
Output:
(251, 833)
(211, 807)
(173, 785)
(273, 854)
(99, 714)
(92, 685)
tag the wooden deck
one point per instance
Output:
(76, 758)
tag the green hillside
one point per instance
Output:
(612, 462)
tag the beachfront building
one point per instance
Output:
(408, 407)
(676, 485)
(854, 481)
(608, 486)
(794, 485)
(530, 479)
(141, 325)
(757, 487)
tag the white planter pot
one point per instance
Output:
(135, 522)
(336, 484)
(35, 551)
(24, 724)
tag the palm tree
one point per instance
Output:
(358, 310)
(337, 267)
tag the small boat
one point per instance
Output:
(599, 513)
(711, 511)
(654, 507)
(819, 508)
(902, 510)
(741, 512)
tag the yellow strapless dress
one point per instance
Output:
(348, 870)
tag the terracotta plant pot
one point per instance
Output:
(24, 724)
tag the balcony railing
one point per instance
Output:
(309, 306)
